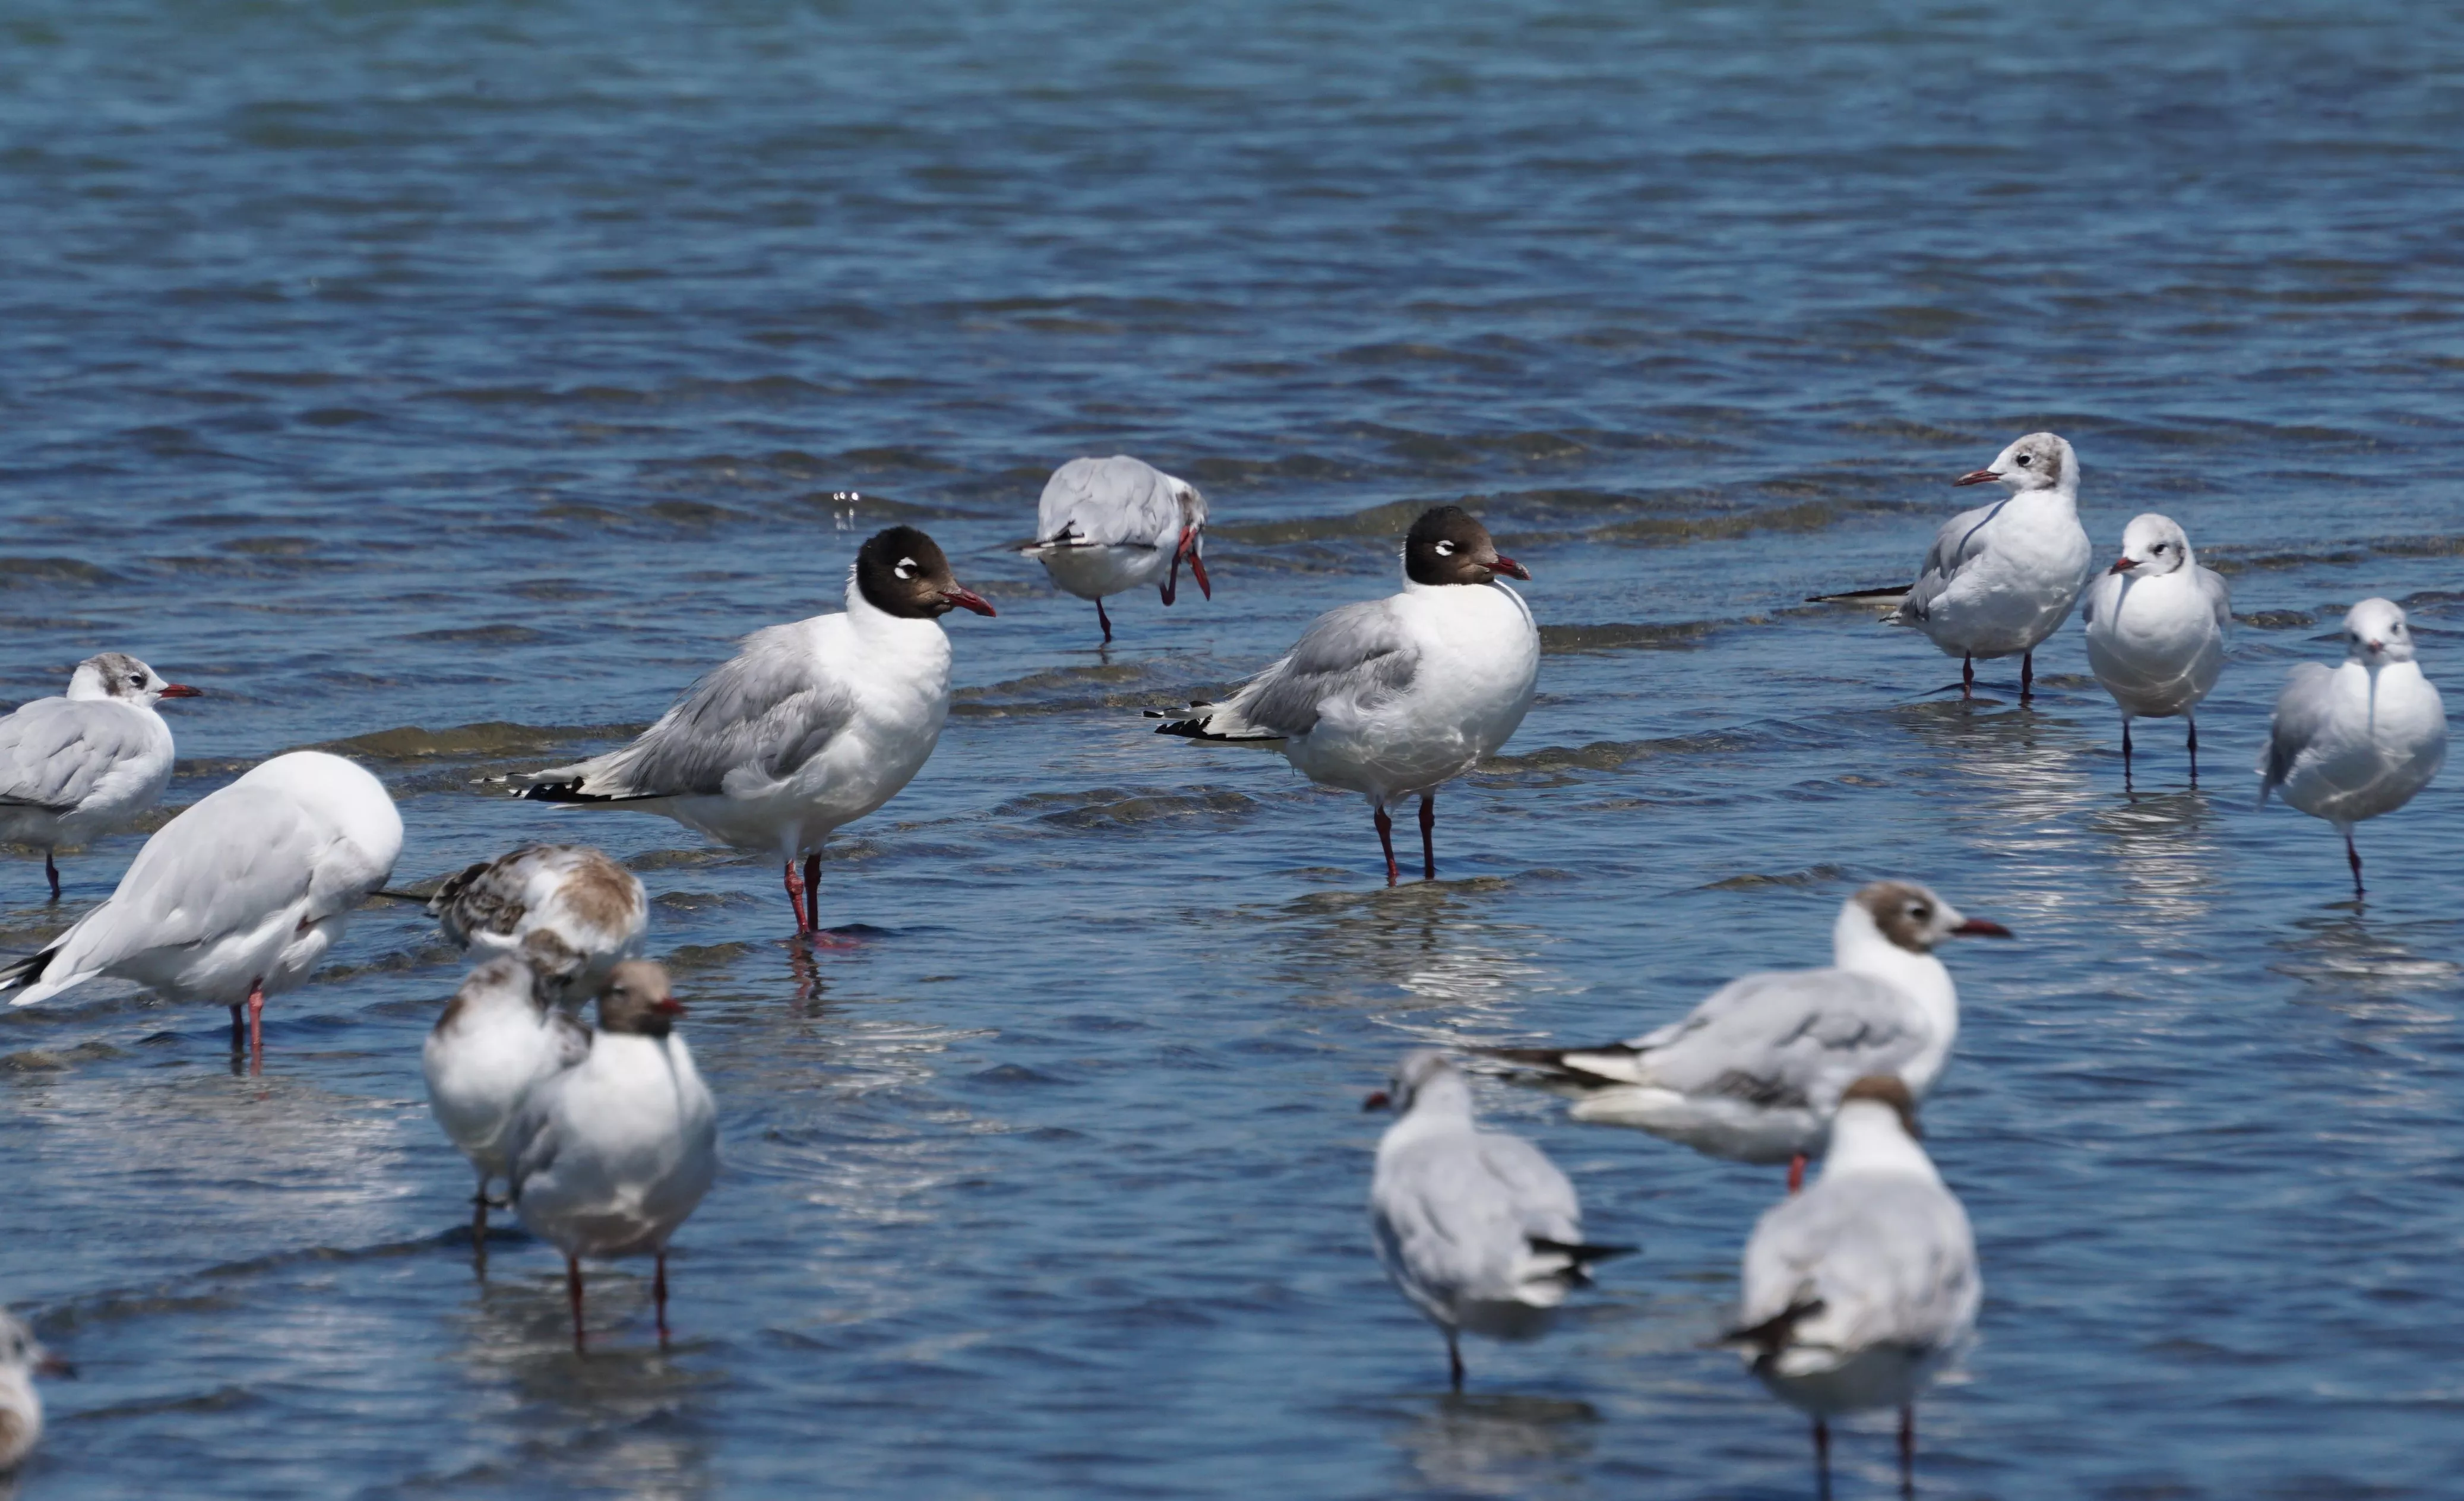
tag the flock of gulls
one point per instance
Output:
(1858, 1289)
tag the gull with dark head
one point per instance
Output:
(1858, 1292)
(1476, 1228)
(85, 763)
(2000, 579)
(239, 897)
(2353, 742)
(21, 1407)
(568, 911)
(2155, 624)
(1109, 524)
(810, 726)
(1395, 697)
(499, 1036)
(1756, 1071)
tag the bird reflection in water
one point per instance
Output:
(1490, 1444)
(1433, 942)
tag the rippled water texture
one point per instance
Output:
(451, 383)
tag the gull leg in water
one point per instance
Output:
(2355, 858)
(54, 871)
(479, 1228)
(659, 1296)
(804, 894)
(2125, 753)
(1908, 1451)
(2027, 674)
(2194, 748)
(1386, 841)
(796, 898)
(256, 1025)
(1797, 1173)
(573, 1296)
(1105, 621)
(1967, 678)
(813, 890)
(1428, 837)
(1822, 1459)
(1454, 1359)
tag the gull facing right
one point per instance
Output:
(1395, 697)
(569, 912)
(1109, 524)
(1477, 1228)
(1756, 1071)
(1860, 1291)
(2001, 577)
(2354, 742)
(21, 1407)
(2155, 624)
(86, 762)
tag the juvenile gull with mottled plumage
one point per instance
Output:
(568, 911)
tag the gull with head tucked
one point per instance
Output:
(1109, 524)
(86, 762)
(2155, 624)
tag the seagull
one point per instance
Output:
(499, 1035)
(2000, 579)
(86, 762)
(1109, 524)
(21, 1407)
(2357, 741)
(1396, 696)
(239, 897)
(811, 725)
(2155, 626)
(568, 910)
(1477, 1228)
(1755, 1073)
(1860, 1291)
(612, 1154)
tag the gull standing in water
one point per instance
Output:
(567, 911)
(2000, 579)
(1477, 1228)
(21, 1407)
(612, 1154)
(2357, 741)
(2155, 624)
(499, 1035)
(84, 763)
(239, 897)
(1756, 1071)
(811, 725)
(1109, 524)
(1860, 1291)
(1395, 697)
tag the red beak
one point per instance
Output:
(1979, 928)
(53, 1365)
(667, 1006)
(1197, 564)
(1378, 1099)
(2122, 566)
(181, 691)
(1502, 563)
(1977, 476)
(966, 599)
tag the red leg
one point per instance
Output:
(573, 1296)
(796, 899)
(813, 890)
(256, 1026)
(1428, 837)
(1967, 678)
(54, 871)
(1907, 1450)
(2027, 674)
(659, 1296)
(1796, 1172)
(1386, 840)
(2355, 856)
(1104, 620)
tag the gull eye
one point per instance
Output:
(1445, 549)
(2026, 460)
(906, 568)
(139, 678)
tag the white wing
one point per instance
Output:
(2219, 594)
(1889, 1260)
(54, 752)
(1114, 502)
(1791, 1038)
(2303, 711)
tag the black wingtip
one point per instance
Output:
(26, 971)
(1582, 1252)
(559, 792)
(1770, 1337)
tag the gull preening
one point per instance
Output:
(2353, 742)
(22, 1359)
(568, 911)
(1858, 1292)
(499, 1036)
(811, 725)
(1109, 524)
(2155, 624)
(1756, 1073)
(612, 1154)
(239, 897)
(1395, 697)
(1477, 1228)
(85, 763)
(2001, 577)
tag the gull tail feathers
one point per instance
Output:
(1580, 1255)
(1219, 723)
(1768, 1339)
(1609, 1064)
(28, 978)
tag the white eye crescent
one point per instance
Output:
(906, 568)
(1445, 549)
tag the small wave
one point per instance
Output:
(1622, 636)
(491, 738)
(29, 572)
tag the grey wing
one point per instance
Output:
(1447, 1221)
(748, 723)
(1543, 1197)
(1892, 1261)
(54, 751)
(1789, 1038)
(2301, 712)
(1957, 542)
(1358, 655)
(2219, 595)
(1108, 503)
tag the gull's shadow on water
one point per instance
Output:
(1425, 944)
(1498, 1444)
(2165, 848)
(2364, 968)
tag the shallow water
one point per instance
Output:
(454, 383)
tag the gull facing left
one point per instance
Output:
(88, 762)
(1477, 1228)
(239, 897)
(2155, 624)
(1109, 524)
(811, 725)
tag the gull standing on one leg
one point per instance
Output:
(1109, 524)
(84, 763)
(2155, 624)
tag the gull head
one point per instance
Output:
(1446, 545)
(1887, 1091)
(116, 674)
(2153, 545)
(2375, 635)
(22, 1355)
(1913, 917)
(2039, 461)
(637, 1000)
(903, 572)
(1423, 1073)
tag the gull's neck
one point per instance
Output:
(1860, 947)
(1866, 1136)
(1440, 1107)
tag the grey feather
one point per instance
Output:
(1358, 656)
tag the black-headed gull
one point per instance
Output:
(1109, 524)
(1477, 1228)
(86, 762)
(1395, 697)
(567, 911)
(813, 724)
(2353, 742)
(499, 1035)
(610, 1155)
(2155, 624)
(2000, 579)
(21, 1407)
(1756, 1071)
(239, 897)
(1860, 1291)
